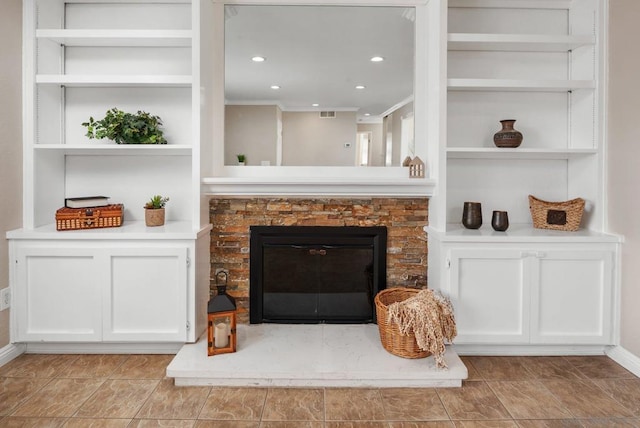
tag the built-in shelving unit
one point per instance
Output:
(83, 58)
(540, 63)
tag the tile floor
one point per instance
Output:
(133, 391)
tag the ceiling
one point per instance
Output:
(318, 54)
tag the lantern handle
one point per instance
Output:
(222, 288)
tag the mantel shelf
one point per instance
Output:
(518, 85)
(515, 153)
(321, 186)
(83, 80)
(118, 149)
(517, 42)
(103, 37)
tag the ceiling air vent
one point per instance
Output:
(328, 114)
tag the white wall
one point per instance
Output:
(309, 140)
(252, 131)
(10, 138)
(623, 156)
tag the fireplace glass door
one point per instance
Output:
(316, 274)
(311, 283)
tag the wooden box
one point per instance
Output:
(89, 218)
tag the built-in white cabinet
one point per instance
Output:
(489, 289)
(530, 293)
(111, 293)
(132, 283)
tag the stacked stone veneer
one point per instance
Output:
(403, 217)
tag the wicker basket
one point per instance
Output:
(392, 340)
(556, 215)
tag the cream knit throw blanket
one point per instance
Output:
(429, 315)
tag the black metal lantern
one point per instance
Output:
(221, 320)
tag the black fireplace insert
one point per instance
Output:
(316, 274)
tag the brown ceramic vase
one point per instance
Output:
(472, 215)
(507, 137)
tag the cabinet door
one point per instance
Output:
(57, 294)
(490, 295)
(146, 299)
(571, 297)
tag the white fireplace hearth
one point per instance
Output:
(311, 355)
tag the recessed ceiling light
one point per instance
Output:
(360, 87)
(315, 105)
(275, 87)
(367, 114)
(258, 59)
(377, 59)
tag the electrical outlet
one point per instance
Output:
(5, 298)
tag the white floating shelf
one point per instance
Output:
(516, 85)
(135, 38)
(82, 80)
(517, 42)
(513, 4)
(172, 230)
(518, 233)
(515, 153)
(119, 149)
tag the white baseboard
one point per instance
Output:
(10, 352)
(102, 348)
(626, 359)
(529, 350)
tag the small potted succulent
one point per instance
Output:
(126, 128)
(241, 159)
(154, 211)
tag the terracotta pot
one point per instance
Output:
(472, 215)
(154, 217)
(507, 137)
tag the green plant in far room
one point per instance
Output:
(126, 128)
(241, 159)
(154, 210)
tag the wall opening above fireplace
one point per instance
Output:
(316, 274)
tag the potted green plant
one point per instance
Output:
(126, 128)
(241, 159)
(154, 210)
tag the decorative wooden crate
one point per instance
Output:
(89, 218)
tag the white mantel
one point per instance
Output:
(318, 186)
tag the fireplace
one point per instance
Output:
(316, 274)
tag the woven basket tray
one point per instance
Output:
(565, 215)
(392, 340)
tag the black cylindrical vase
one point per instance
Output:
(472, 215)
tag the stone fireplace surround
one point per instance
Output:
(332, 355)
(231, 218)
